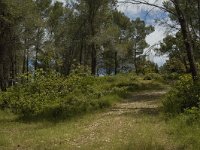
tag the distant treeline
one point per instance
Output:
(50, 35)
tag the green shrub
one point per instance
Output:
(191, 115)
(153, 76)
(108, 100)
(184, 95)
(50, 94)
(35, 96)
(172, 76)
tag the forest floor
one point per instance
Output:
(135, 123)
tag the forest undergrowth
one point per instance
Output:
(130, 117)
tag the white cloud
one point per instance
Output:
(63, 1)
(153, 40)
(135, 9)
(157, 36)
(149, 15)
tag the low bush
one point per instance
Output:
(191, 116)
(184, 95)
(172, 76)
(50, 94)
(153, 76)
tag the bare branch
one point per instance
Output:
(144, 2)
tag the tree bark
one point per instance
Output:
(198, 2)
(186, 38)
(135, 59)
(92, 12)
(81, 53)
(1, 77)
(94, 59)
(27, 63)
(116, 64)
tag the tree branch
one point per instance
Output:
(144, 2)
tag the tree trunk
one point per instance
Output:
(135, 59)
(91, 17)
(199, 15)
(116, 63)
(81, 53)
(36, 57)
(13, 73)
(27, 63)
(1, 77)
(186, 38)
(94, 59)
(37, 48)
(24, 62)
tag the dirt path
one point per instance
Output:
(133, 124)
(143, 102)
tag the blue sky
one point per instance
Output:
(149, 15)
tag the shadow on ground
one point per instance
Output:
(144, 103)
(146, 96)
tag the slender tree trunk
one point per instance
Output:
(27, 63)
(24, 62)
(15, 68)
(1, 77)
(4, 68)
(135, 59)
(116, 63)
(94, 59)
(37, 49)
(81, 53)
(36, 57)
(198, 1)
(186, 38)
(13, 73)
(1, 65)
(85, 55)
(92, 34)
(184, 60)
(6, 71)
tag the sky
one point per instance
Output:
(149, 15)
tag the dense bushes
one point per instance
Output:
(171, 76)
(50, 94)
(184, 95)
(153, 76)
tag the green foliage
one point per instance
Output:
(191, 116)
(171, 76)
(184, 95)
(174, 65)
(185, 129)
(34, 96)
(49, 94)
(153, 76)
(145, 66)
(124, 83)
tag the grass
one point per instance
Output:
(187, 136)
(132, 123)
(98, 131)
